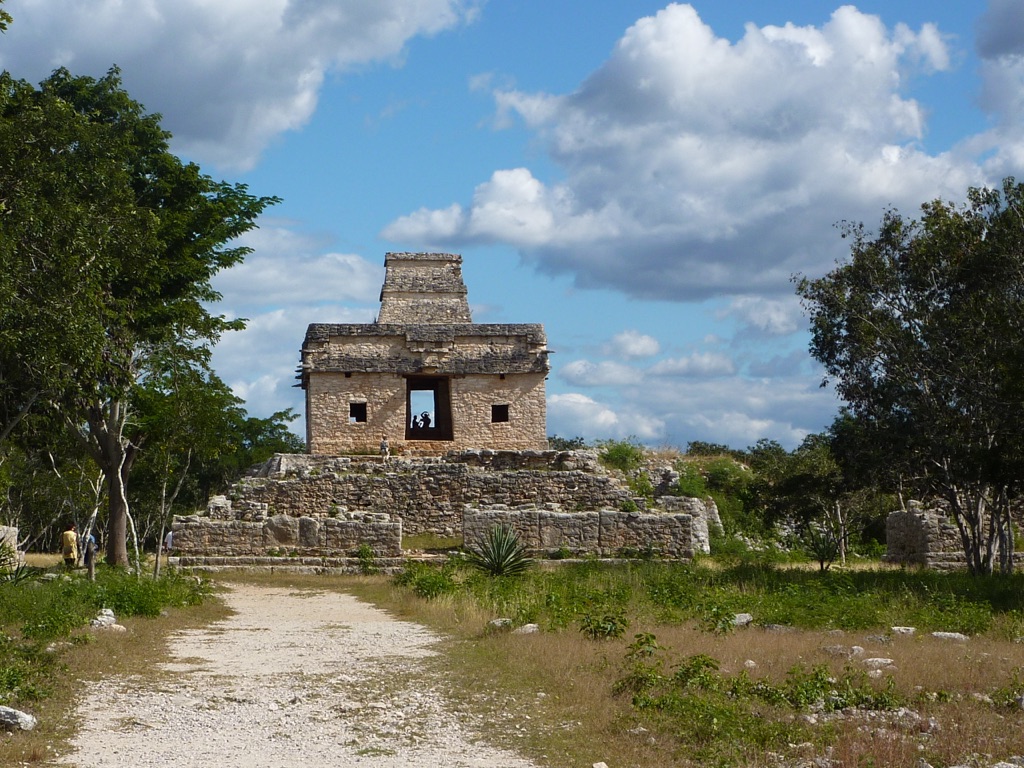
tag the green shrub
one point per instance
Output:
(34, 613)
(821, 544)
(726, 475)
(691, 481)
(604, 627)
(367, 560)
(426, 580)
(640, 484)
(501, 554)
(625, 455)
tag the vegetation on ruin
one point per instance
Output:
(500, 554)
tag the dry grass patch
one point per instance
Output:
(558, 696)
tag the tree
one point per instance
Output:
(61, 210)
(108, 213)
(922, 331)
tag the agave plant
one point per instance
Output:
(501, 554)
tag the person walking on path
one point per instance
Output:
(88, 545)
(69, 546)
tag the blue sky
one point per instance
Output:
(642, 178)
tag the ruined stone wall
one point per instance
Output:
(320, 506)
(929, 537)
(704, 513)
(285, 535)
(472, 398)
(572, 490)
(423, 288)
(427, 495)
(329, 430)
(608, 533)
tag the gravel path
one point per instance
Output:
(291, 680)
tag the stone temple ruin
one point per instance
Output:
(424, 374)
(463, 408)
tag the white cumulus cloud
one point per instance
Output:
(693, 166)
(697, 364)
(766, 317)
(583, 373)
(576, 414)
(632, 345)
(228, 75)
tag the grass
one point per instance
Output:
(430, 542)
(679, 685)
(682, 686)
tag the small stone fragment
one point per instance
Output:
(15, 719)
(958, 636)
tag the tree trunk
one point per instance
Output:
(114, 453)
(117, 519)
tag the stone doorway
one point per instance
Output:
(428, 408)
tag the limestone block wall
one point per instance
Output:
(607, 532)
(328, 397)
(704, 513)
(329, 506)
(929, 537)
(563, 461)
(472, 398)
(572, 490)
(331, 432)
(426, 494)
(280, 534)
(423, 288)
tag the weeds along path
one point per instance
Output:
(293, 679)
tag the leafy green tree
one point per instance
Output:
(625, 455)
(702, 448)
(93, 197)
(557, 443)
(60, 211)
(199, 438)
(922, 331)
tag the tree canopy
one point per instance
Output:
(108, 244)
(922, 332)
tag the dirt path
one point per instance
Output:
(291, 680)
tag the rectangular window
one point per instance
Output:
(356, 413)
(499, 413)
